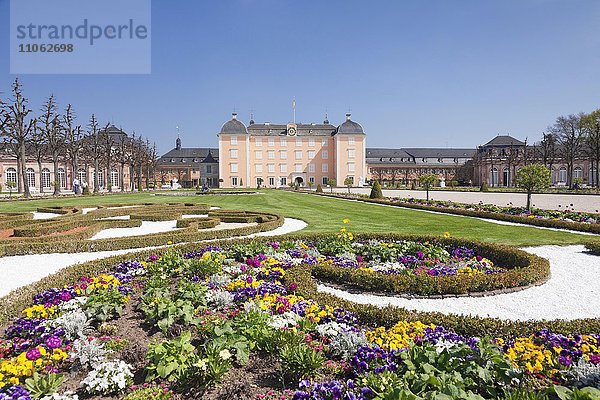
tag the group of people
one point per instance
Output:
(79, 186)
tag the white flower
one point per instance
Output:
(109, 377)
(286, 320)
(225, 354)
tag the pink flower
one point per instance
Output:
(33, 354)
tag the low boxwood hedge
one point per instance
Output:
(522, 269)
(545, 223)
(38, 238)
(593, 247)
(12, 304)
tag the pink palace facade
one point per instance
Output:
(280, 155)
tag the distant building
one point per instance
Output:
(404, 166)
(40, 175)
(278, 155)
(497, 162)
(189, 166)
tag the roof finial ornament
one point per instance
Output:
(326, 121)
(251, 116)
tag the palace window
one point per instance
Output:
(578, 173)
(351, 167)
(283, 154)
(325, 143)
(298, 142)
(311, 142)
(258, 154)
(325, 180)
(271, 142)
(271, 155)
(209, 169)
(311, 167)
(283, 180)
(258, 142)
(234, 167)
(30, 177)
(324, 154)
(81, 176)
(114, 179)
(271, 181)
(562, 175)
(282, 167)
(311, 154)
(298, 154)
(311, 179)
(62, 178)
(234, 181)
(234, 141)
(46, 178)
(11, 175)
(233, 153)
(283, 142)
(100, 178)
(325, 168)
(351, 140)
(351, 153)
(258, 168)
(298, 167)
(271, 167)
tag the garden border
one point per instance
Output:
(544, 223)
(12, 304)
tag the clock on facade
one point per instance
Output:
(292, 130)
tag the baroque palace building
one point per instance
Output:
(189, 166)
(40, 169)
(279, 155)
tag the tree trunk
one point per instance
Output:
(41, 180)
(528, 200)
(56, 177)
(427, 190)
(26, 192)
(19, 175)
(122, 177)
(96, 167)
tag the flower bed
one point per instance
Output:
(424, 265)
(212, 317)
(567, 219)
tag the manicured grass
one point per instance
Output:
(326, 214)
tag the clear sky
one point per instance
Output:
(413, 73)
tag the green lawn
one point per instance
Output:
(326, 214)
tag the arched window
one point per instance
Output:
(506, 176)
(81, 176)
(30, 177)
(100, 178)
(562, 175)
(494, 181)
(11, 176)
(578, 173)
(62, 178)
(46, 178)
(114, 179)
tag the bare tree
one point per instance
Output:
(74, 142)
(94, 149)
(547, 150)
(591, 127)
(569, 134)
(108, 144)
(39, 148)
(53, 137)
(19, 130)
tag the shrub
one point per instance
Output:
(319, 188)
(174, 360)
(376, 191)
(484, 187)
(593, 247)
(299, 361)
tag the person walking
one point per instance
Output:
(76, 186)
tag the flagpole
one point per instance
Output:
(294, 107)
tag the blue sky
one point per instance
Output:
(413, 73)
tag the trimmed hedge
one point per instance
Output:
(75, 242)
(593, 247)
(523, 269)
(12, 304)
(546, 223)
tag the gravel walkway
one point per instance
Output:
(572, 292)
(40, 265)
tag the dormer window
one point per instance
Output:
(172, 160)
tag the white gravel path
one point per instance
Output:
(147, 227)
(86, 210)
(572, 292)
(39, 266)
(44, 215)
